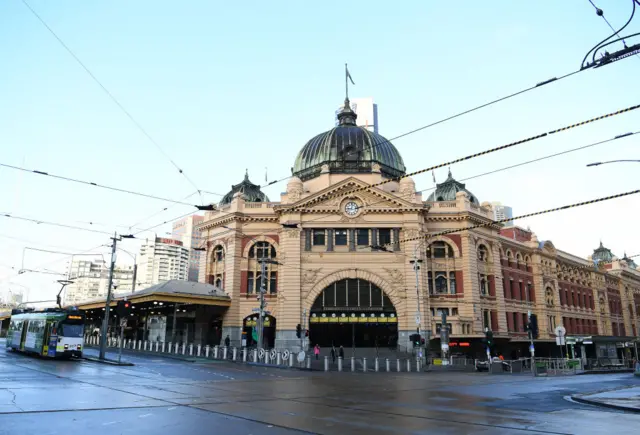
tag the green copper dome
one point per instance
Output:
(447, 191)
(348, 148)
(602, 254)
(632, 264)
(250, 192)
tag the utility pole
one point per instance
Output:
(105, 320)
(135, 274)
(263, 271)
(107, 307)
(416, 267)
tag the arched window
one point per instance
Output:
(527, 260)
(216, 269)
(440, 284)
(262, 250)
(257, 252)
(483, 254)
(439, 250)
(549, 296)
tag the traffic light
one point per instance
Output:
(298, 331)
(123, 308)
(488, 338)
(415, 339)
(533, 326)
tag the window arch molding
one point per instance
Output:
(252, 242)
(456, 250)
(483, 253)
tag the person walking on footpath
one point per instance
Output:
(341, 352)
(227, 341)
(333, 354)
(316, 351)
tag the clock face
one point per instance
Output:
(351, 208)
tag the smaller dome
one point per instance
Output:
(447, 191)
(250, 192)
(294, 183)
(602, 254)
(408, 182)
(632, 264)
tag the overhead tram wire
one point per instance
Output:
(600, 13)
(472, 156)
(39, 221)
(90, 183)
(109, 94)
(364, 206)
(499, 221)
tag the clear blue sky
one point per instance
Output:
(225, 86)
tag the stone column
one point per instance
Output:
(232, 320)
(289, 288)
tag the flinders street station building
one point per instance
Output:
(343, 269)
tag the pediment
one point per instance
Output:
(332, 197)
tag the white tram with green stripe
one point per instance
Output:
(53, 332)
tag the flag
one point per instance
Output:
(433, 174)
(348, 75)
(265, 174)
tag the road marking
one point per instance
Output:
(144, 415)
(111, 422)
(171, 409)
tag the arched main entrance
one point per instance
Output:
(353, 313)
(250, 330)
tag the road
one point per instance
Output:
(161, 395)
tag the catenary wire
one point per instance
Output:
(364, 206)
(90, 183)
(471, 156)
(600, 13)
(599, 45)
(109, 94)
(38, 221)
(449, 118)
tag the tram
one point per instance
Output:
(52, 332)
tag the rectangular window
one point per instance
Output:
(452, 283)
(485, 318)
(318, 238)
(273, 283)
(362, 237)
(454, 311)
(250, 282)
(384, 236)
(341, 238)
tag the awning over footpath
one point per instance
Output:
(174, 291)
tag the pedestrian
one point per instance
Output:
(227, 341)
(316, 351)
(341, 352)
(333, 354)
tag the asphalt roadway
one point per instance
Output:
(169, 396)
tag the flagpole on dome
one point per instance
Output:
(347, 77)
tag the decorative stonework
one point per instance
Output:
(397, 277)
(309, 276)
(412, 232)
(292, 233)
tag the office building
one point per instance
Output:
(90, 278)
(162, 259)
(183, 230)
(502, 212)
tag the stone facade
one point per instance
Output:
(488, 276)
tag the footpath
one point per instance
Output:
(623, 399)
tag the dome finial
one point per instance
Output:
(246, 174)
(346, 115)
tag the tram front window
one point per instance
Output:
(72, 330)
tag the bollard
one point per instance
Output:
(408, 365)
(387, 365)
(244, 355)
(339, 363)
(162, 347)
(191, 349)
(184, 348)
(145, 345)
(255, 355)
(278, 359)
(353, 364)
(417, 364)
(398, 365)
(364, 364)
(326, 363)
(309, 362)
(377, 365)
(169, 347)
(139, 344)
(266, 356)
(215, 352)
(177, 348)
(291, 359)
(235, 351)
(224, 352)
(199, 349)
(206, 351)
